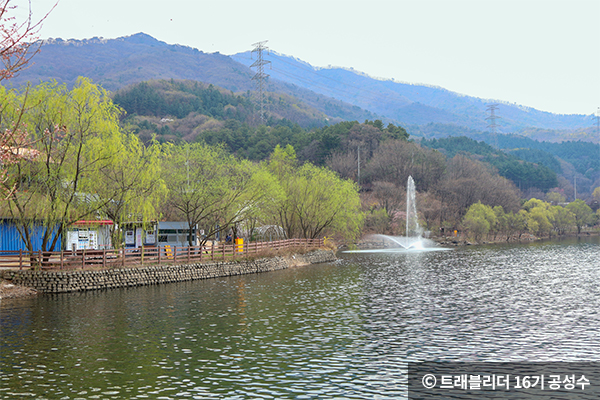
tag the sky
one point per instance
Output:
(543, 54)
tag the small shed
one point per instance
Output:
(176, 234)
(89, 235)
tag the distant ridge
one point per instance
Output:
(116, 63)
(410, 103)
(339, 93)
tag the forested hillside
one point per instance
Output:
(534, 164)
(523, 174)
(189, 111)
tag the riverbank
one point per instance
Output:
(372, 242)
(21, 283)
(11, 291)
(524, 238)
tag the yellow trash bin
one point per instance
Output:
(239, 245)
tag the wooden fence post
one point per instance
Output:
(20, 259)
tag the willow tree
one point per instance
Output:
(75, 141)
(133, 185)
(316, 200)
(210, 188)
(479, 220)
(582, 213)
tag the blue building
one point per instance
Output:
(10, 239)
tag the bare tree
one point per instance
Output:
(399, 159)
(468, 181)
(345, 164)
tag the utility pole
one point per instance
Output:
(260, 77)
(492, 126)
(358, 179)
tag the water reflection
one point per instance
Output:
(341, 330)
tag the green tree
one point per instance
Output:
(197, 181)
(516, 223)
(533, 203)
(283, 161)
(76, 139)
(133, 184)
(501, 224)
(539, 217)
(211, 189)
(539, 221)
(583, 214)
(555, 198)
(596, 194)
(563, 219)
(316, 201)
(260, 199)
(479, 219)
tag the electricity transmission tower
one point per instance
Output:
(492, 125)
(260, 77)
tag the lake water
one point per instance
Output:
(342, 330)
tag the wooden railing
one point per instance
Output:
(145, 256)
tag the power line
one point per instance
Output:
(261, 77)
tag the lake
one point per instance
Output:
(341, 330)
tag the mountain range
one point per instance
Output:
(336, 93)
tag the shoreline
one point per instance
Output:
(458, 242)
(525, 238)
(11, 291)
(29, 283)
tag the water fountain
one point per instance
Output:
(414, 240)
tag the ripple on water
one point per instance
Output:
(340, 330)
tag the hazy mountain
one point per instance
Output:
(337, 93)
(412, 104)
(116, 63)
